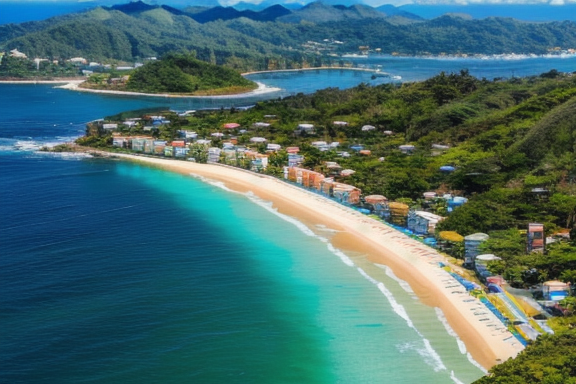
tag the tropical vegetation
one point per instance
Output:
(176, 73)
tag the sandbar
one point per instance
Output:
(485, 337)
(262, 89)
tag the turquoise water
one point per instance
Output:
(113, 272)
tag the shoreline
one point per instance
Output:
(262, 89)
(410, 260)
(310, 69)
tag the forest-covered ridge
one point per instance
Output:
(116, 33)
(175, 73)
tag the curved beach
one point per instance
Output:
(484, 336)
(262, 89)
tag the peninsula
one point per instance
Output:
(174, 74)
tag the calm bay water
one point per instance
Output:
(114, 272)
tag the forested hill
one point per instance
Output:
(179, 73)
(137, 30)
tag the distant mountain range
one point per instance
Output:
(313, 34)
(16, 12)
(316, 12)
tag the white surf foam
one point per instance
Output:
(214, 183)
(451, 332)
(461, 345)
(428, 353)
(454, 378)
(301, 226)
(390, 273)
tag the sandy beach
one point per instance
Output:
(485, 337)
(262, 89)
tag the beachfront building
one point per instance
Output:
(143, 144)
(110, 126)
(120, 141)
(343, 193)
(398, 213)
(304, 177)
(378, 203)
(214, 154)
(535, 238)
(169, 151)
(472, 246)
(159, 147)
(422, 222)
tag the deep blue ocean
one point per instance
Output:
(112, 272)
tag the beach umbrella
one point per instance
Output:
(447, 168)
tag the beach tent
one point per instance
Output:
(447, 168)
(357, 147)
(451, 236)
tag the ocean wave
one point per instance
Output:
(301, 226)
(451, 332)
(461, 345)
(390, 273)
(454, 378)
(214, 183)
(428, 353)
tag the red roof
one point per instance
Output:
(178, 143)
(231, 125)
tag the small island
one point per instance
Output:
(176, 73)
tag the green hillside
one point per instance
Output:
(179, 73)
(106, 33)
